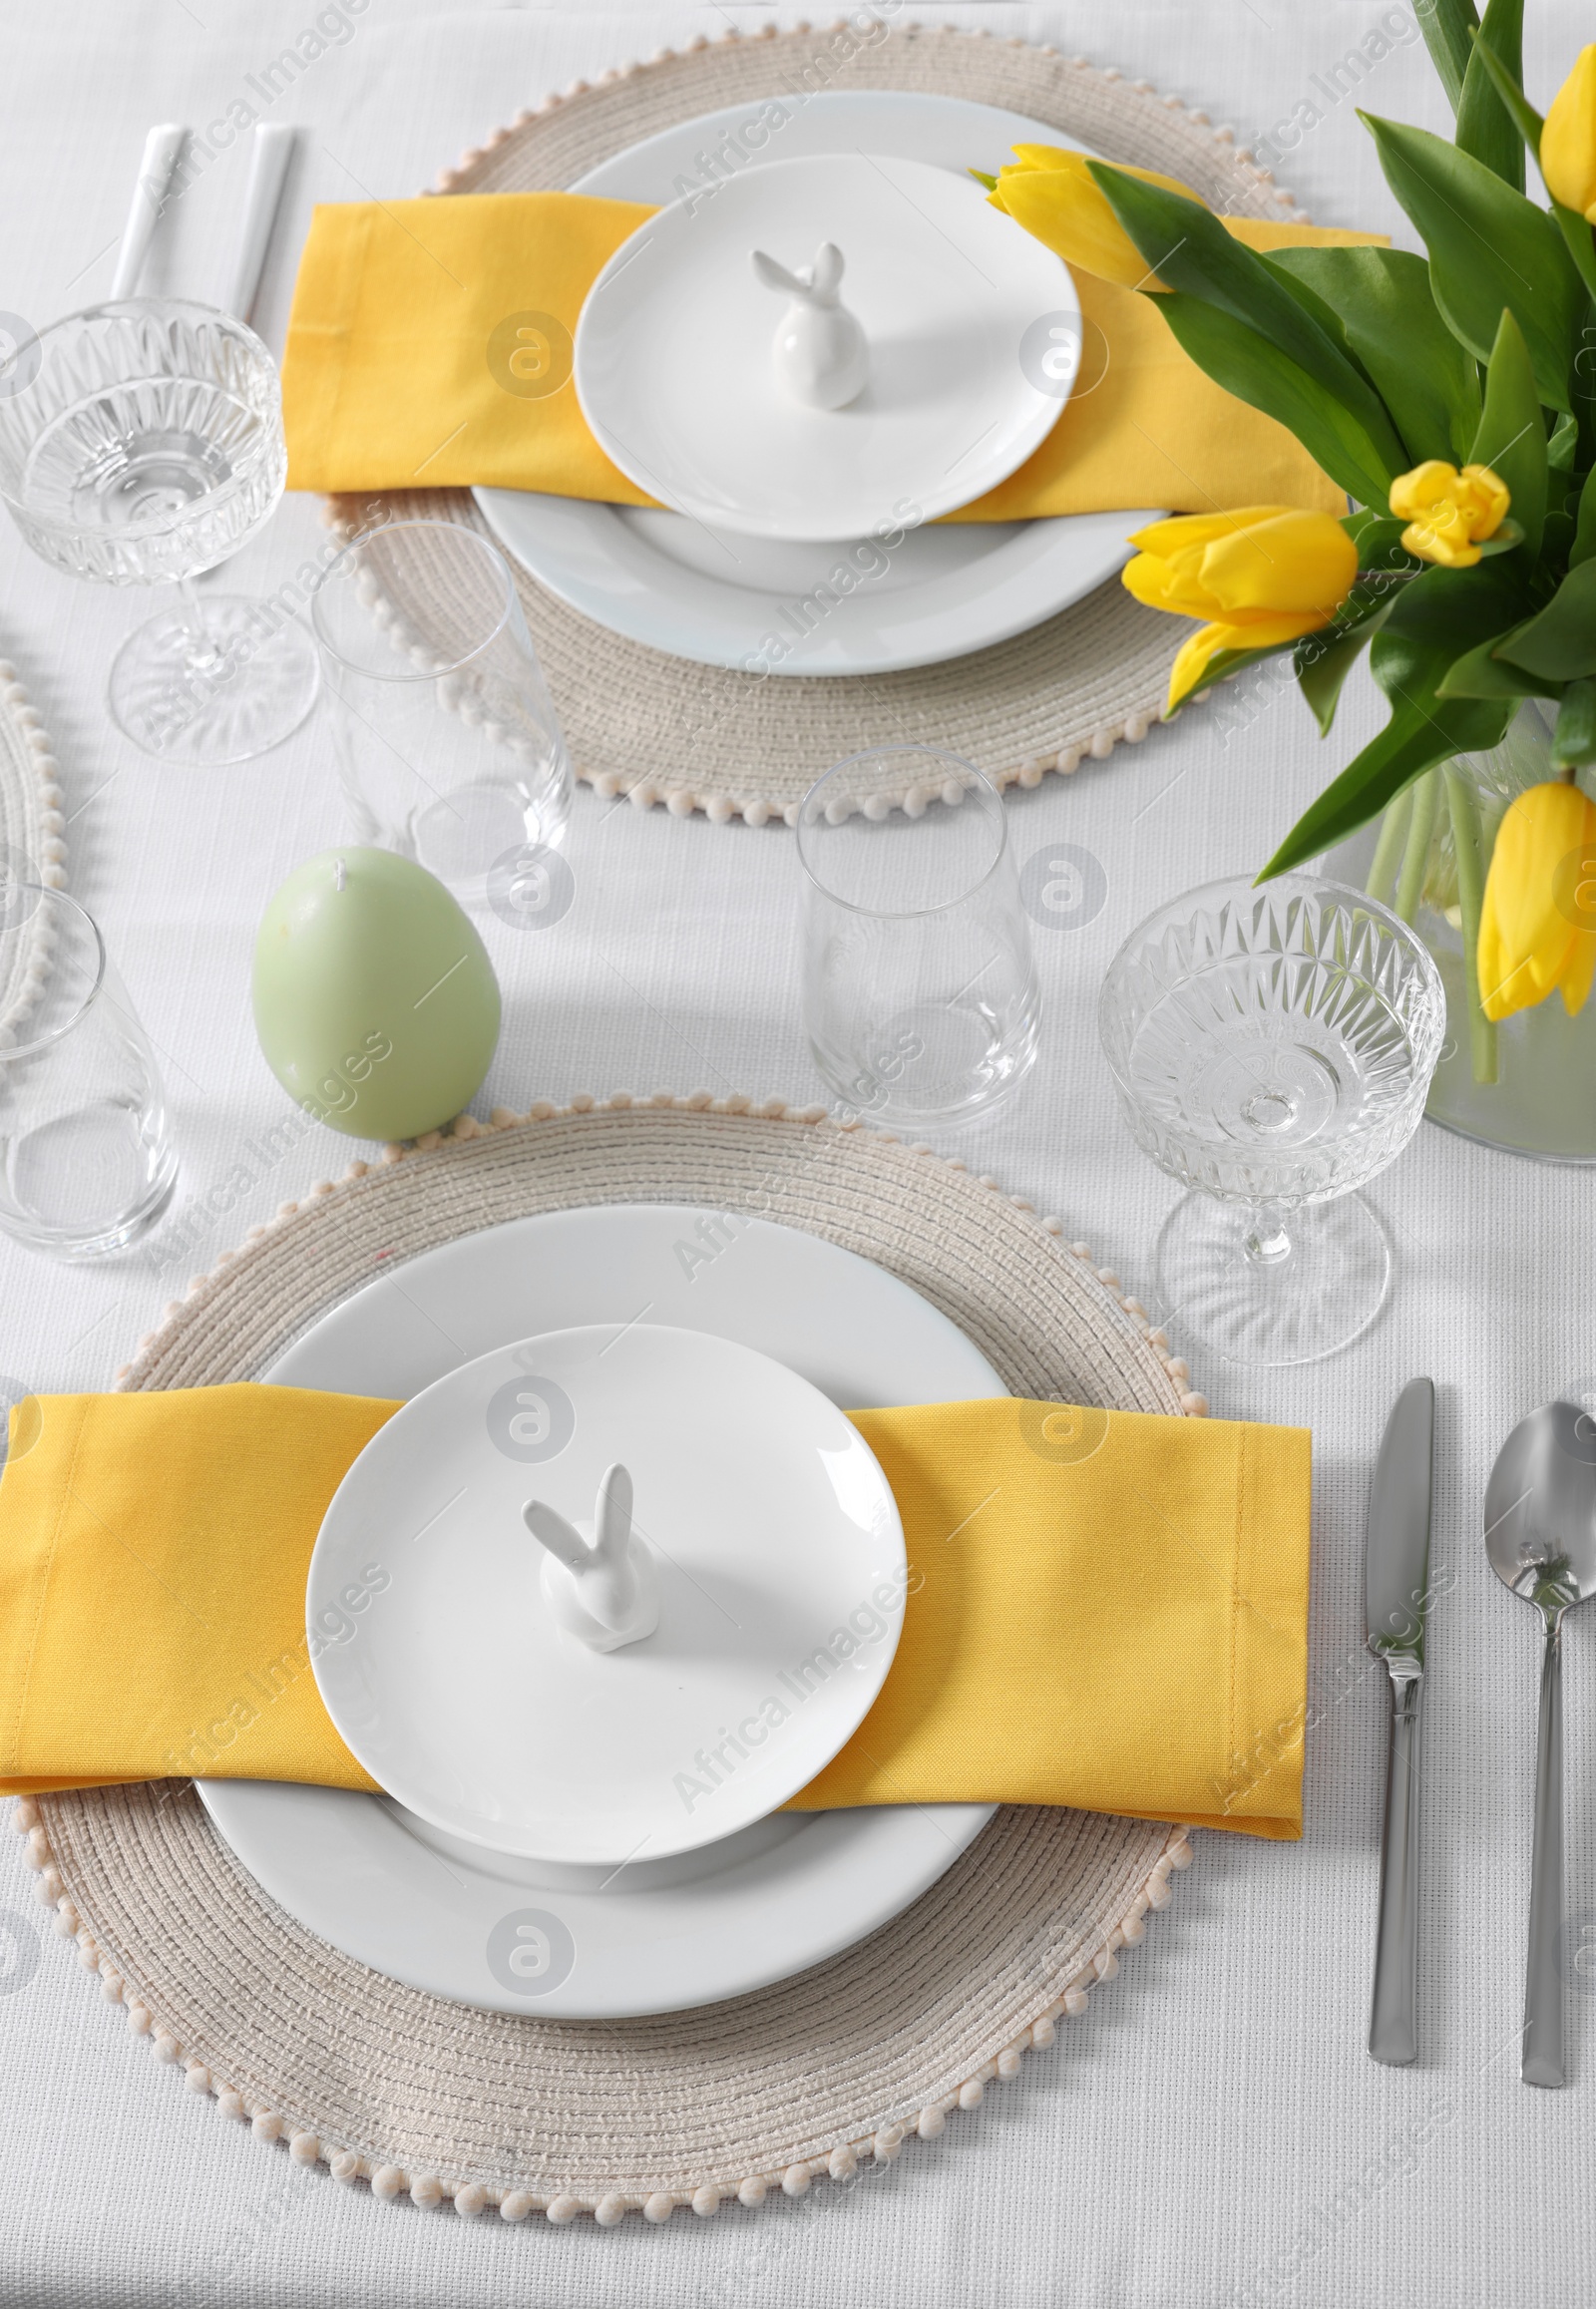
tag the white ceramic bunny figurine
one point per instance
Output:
(597, 1579)
(819, 350)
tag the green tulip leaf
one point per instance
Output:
(1257, 372)
(1486, 127)
(1512, 436)
(1509, 537)
(1574, 739)
(1379, 538)
(981, 177)
(1447, 26)
(1562, 445)
(1479, 672)
(1421, 731)
(1324, 661)
(1380, 299)
(1560, 644)
(1584, 545)
(1577, 240)
(1507, 84)
(1191, 252)
(1489, 247)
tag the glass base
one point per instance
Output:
(252, 691)
(96, 1206)
(1232, 1299)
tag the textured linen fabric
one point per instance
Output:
(154, 1550)
(1212, 2132)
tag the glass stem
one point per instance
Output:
(1416, 858)
(1265, 1242)
(1470, 897)
(202, 654)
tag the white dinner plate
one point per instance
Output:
(592, 1943)
(773, 1542)
(674, 369)
(934, 591)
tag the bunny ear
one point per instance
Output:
(550, 1528)
(612, 1516)
(776, 275)
(825, 274)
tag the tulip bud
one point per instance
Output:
(1449, 513)
(1568, 139)
(1263, 575)
(1538, 924)
(1048, 191)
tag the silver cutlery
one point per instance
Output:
(1395, 1599)
(270, 156)
(1540, 1535)
(161, 149)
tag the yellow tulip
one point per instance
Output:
(1049, 192)
(1447, 513)
(1263, 574)
(1568, 139)
(1537, 925)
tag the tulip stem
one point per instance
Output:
(1388, 849)
(1416, 858)
(1469, 849)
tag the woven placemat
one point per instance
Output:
(662, 729)
(416, 2094)
(32, 829)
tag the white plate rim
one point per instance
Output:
(324, 1855)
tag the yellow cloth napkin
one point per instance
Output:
(420, 353)
(1104, 1609)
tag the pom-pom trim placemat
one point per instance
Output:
(415, 2096)
(664, 730)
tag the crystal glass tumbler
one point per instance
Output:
(920, 996)
(1271, 1049)
(449, 749)
(87, 1163)
(142, 446)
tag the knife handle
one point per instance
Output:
(1543, 1986)
(1393, 2036)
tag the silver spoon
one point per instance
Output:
(1540, 1535)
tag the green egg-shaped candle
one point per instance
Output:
(375, 1002)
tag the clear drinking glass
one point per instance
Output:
(919, 992)
(87, 1163)
(142, 446)
(1271, 1049)
(448, 745)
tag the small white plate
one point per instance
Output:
(673, 363)
(779, 1556)
(939, 592)
(395, 1894)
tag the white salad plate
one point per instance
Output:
(775, 1544)
(673, 357)
(914, 595)
(458, 1920)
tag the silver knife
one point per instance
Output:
(1395, 1598)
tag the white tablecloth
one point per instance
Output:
(1213, 2133)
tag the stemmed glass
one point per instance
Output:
(1271, 1049)
(141, 443)
(919, 992)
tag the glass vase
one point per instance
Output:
(1527, 1084)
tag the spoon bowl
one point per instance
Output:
(1540, 1536)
